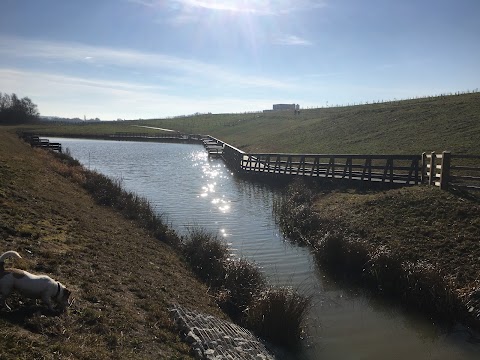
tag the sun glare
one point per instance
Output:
(242, 6)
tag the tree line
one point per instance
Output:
(17, 111)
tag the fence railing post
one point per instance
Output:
(433, 169)
(424, 168)
(445, 173)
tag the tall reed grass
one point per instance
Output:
(276, 314)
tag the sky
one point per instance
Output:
(131, 59)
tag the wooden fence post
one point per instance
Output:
(433, 169)
(424, 168)
(445, 173)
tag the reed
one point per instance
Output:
(240, 288)
(243, 282)
(429, 290)
(296, 215)
(206, 254)
(277, 315)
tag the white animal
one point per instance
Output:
(30, 285)
(7, 255)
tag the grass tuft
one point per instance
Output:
(243, 282)
(241, 290)
(277, 315)
(206, 254)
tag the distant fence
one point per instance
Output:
(451, 170)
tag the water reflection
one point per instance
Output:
(190, 189)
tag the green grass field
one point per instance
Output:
(403, 127)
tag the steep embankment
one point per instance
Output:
(403, 127)
(122, 279)
(400, 127)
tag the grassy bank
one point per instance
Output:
(403, 127)
(419, 245)
(123, 279)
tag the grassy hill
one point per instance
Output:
(403, 127)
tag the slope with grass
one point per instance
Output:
(403, 127)
(123, 280)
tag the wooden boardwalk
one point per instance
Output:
(443, 170)
(395, 169)
(214, 147)
(36, 141)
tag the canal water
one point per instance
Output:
(190, 189)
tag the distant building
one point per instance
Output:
(281, 107)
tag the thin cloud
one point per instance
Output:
(12, 75)
(147, 3)
(75, 96)
(76, 53)
(292, 40)
(253, 7)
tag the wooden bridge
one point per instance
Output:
(396, 170)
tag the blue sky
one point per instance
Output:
(135, 59)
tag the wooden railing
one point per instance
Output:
(451, 170)
(395, 169)
(147, 135)
(36, 141)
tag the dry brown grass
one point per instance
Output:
(277, 314)
(417, 244)
(123, 279)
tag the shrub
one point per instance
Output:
(297, 216)
(206, 255)
(243, 281)
(277, 314)
(427, 289)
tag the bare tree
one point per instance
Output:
(17, 111)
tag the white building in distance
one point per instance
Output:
(281, 107)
